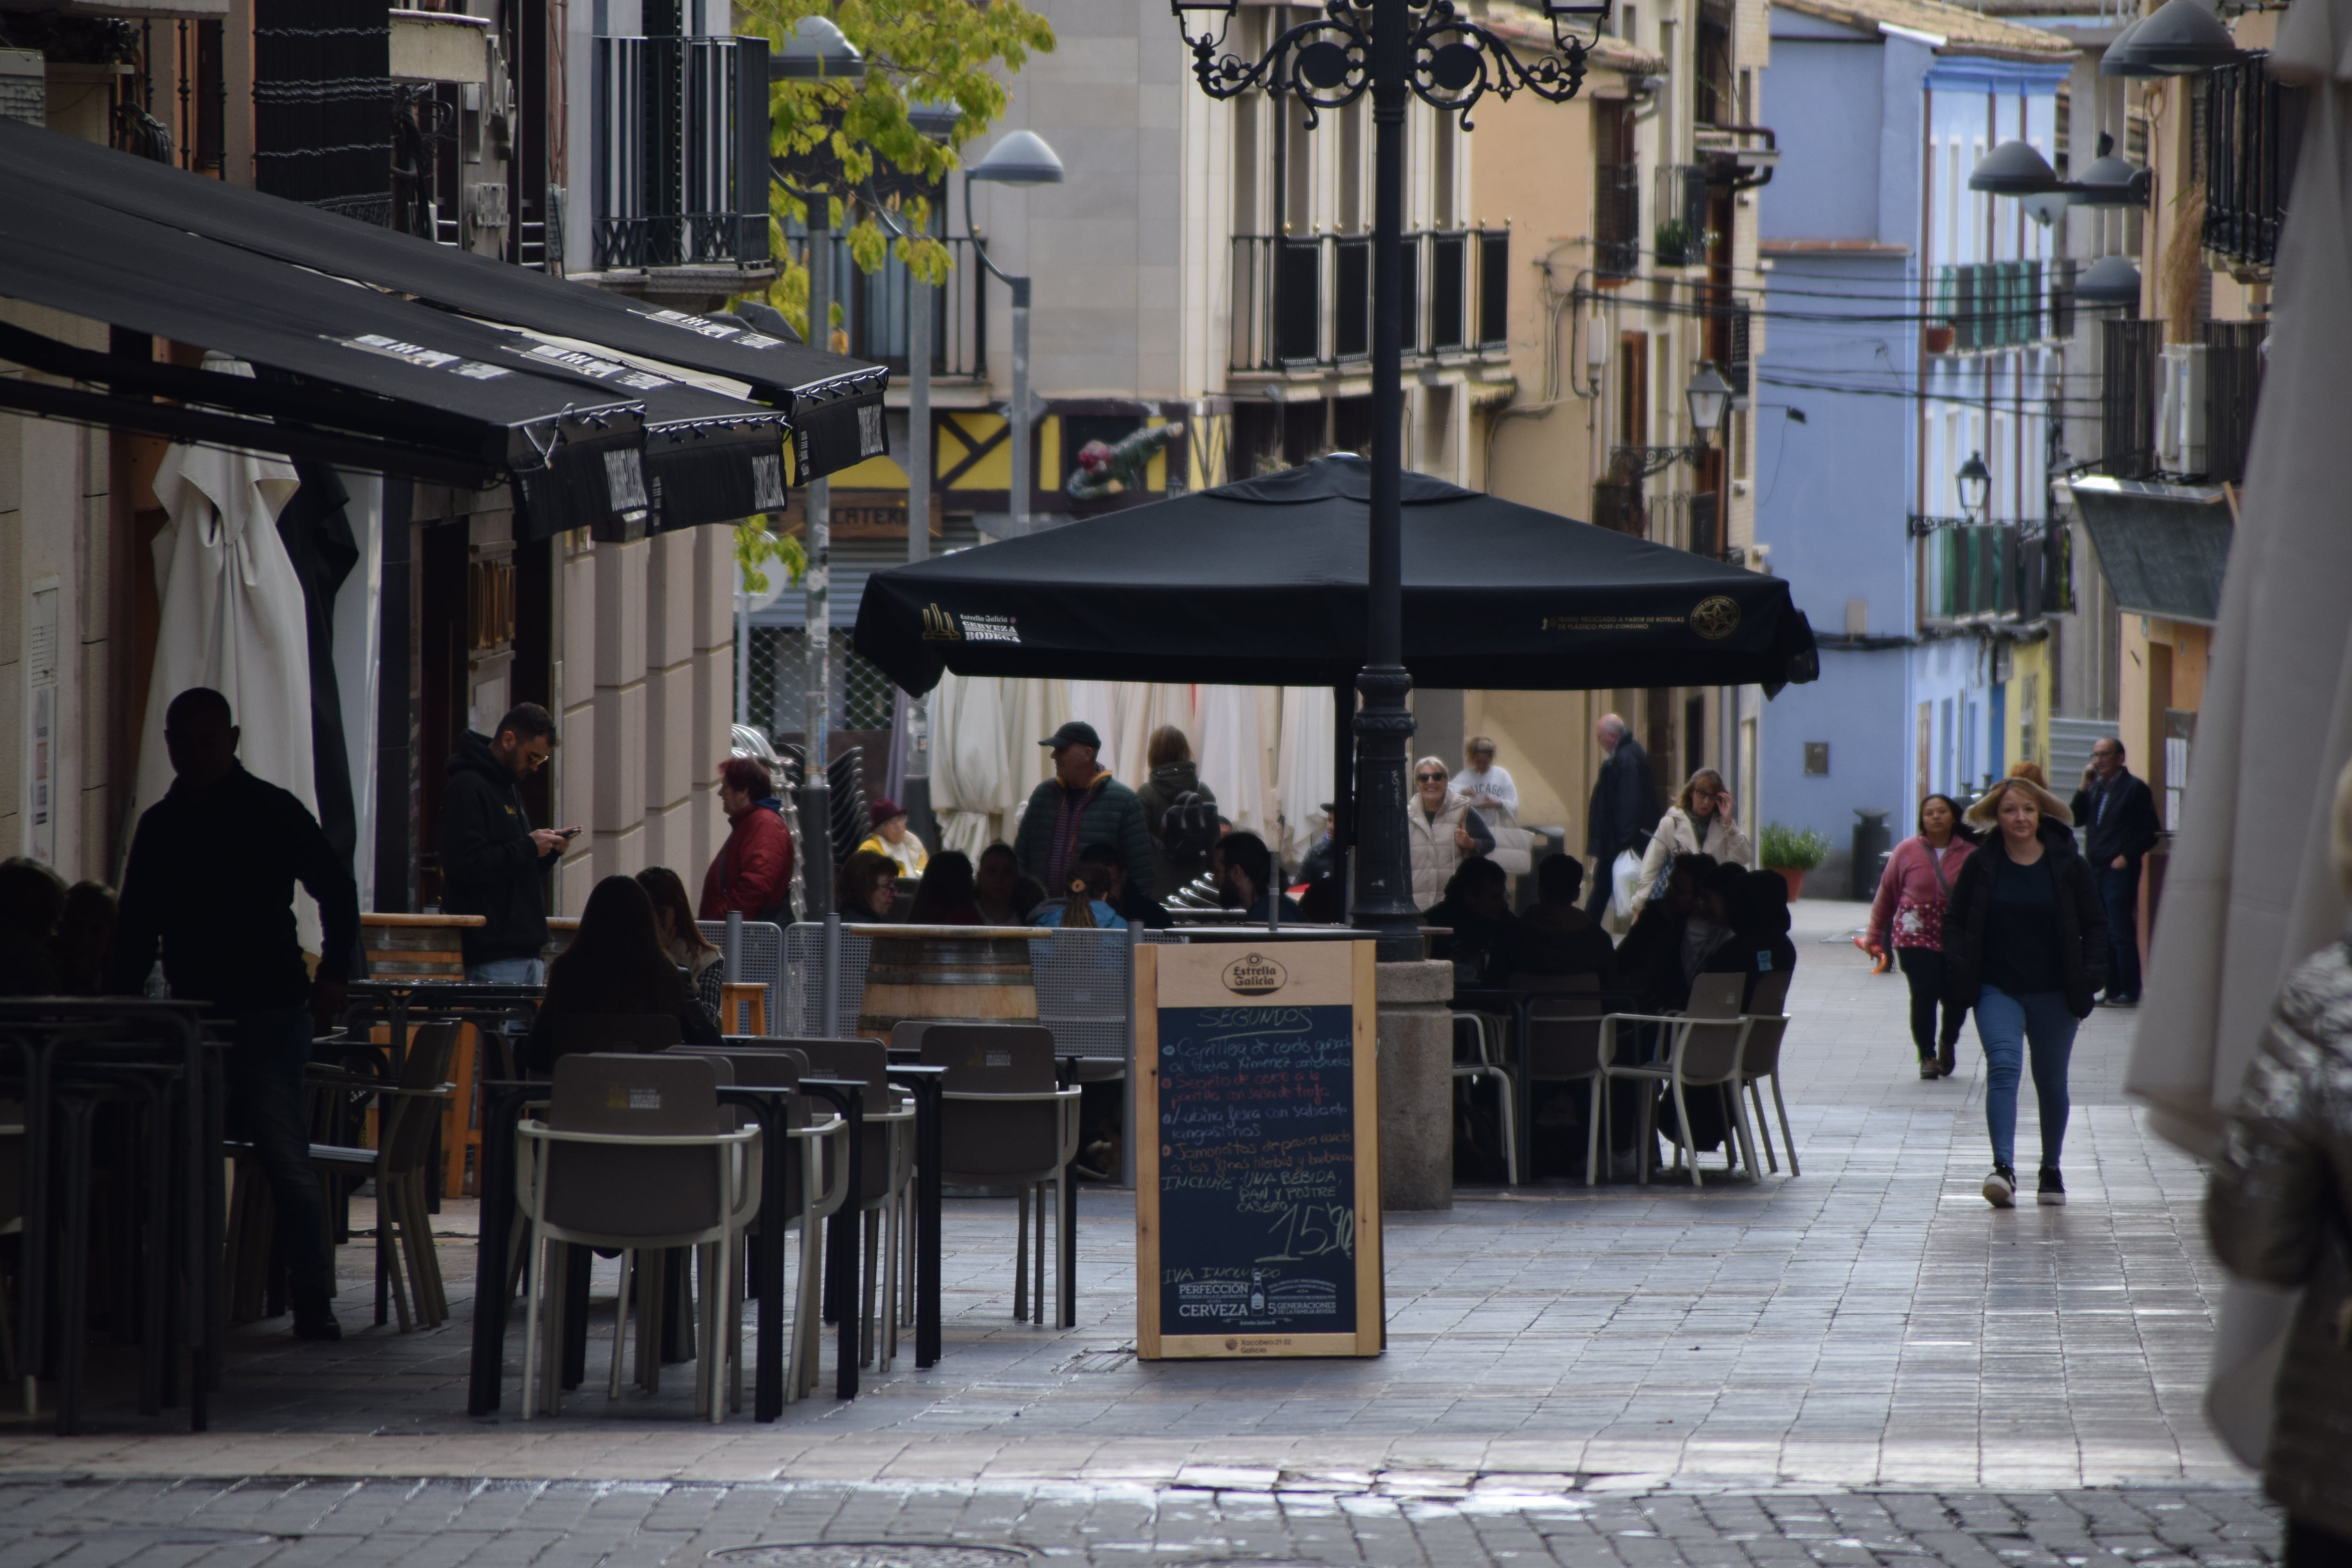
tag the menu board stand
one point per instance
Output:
(1257, 1200)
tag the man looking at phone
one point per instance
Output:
(490, 854)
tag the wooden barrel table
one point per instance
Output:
(967, 974)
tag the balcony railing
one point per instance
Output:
(1974, 571)
(679, 152)
(1987, 305)
(2129, 354)
(2253, 126)
(1308, 303)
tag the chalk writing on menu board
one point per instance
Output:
(1258, 1168)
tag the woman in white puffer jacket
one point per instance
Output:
(1441, 828)
(1700, 823)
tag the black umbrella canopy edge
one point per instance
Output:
(1262, 583)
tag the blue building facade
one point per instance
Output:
(1912, 329)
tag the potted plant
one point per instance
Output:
(1793, 852)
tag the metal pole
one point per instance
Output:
(742, 649)
(1020, 405)
(830, 993)
(816, 794)
(1384, 867)
(916, 788)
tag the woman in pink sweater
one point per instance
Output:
(1908, 916)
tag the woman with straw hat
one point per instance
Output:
(2025, 946)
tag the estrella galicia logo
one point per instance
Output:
(1254, 975)
(938, 626)
(1716, 618)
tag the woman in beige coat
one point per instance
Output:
(1442, 831)
(1700, 823)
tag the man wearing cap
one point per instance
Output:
(891, 837)
(1081, 804)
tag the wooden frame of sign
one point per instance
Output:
(1257, 1201)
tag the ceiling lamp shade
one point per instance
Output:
(2013, 169)
(2120, 58)
(1021, 159)
(2109, 181)
(2181, 38)
(2112, 281)
(817, 50)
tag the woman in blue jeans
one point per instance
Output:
(2025, 946)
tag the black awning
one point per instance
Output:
(2164, 548)
(356, 376)
(1263, 582)
(796, 378)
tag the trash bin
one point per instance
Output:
(1871, 844)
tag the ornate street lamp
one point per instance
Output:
(1974, 482)
(1394, 49)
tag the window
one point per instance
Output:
(1616, 191)
(1717, 104)
(1817, 759)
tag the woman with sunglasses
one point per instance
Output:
(1443, 829)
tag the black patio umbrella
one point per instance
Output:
(1262, 583)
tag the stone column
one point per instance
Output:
(1416, 1085)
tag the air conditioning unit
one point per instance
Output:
(2181, 409)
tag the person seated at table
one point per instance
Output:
(1084, 906)
(1245, 878)
(1758, 944)
(84, 939)
(1650, 959)
(1476, 909)
(1004, 894)
(616, 966)
(1555, 937)
(891, 836)
(32, 899)
(867, 887)
(947, 895)
(1127, 900)
(704, 963)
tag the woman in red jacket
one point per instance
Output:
(1908, 915)
(753, 869)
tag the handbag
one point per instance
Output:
(1625, 871)
(1514, 850)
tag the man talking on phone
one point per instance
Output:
(490, 854)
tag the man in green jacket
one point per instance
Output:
(1081, 804)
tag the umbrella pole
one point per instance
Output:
(1383, 892)
(1343, 788)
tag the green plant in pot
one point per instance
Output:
(1793, 852)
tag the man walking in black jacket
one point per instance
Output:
(490, 851)
(1624, 806)
(2119, 811)
(211, 874)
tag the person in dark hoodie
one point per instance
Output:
(2025, 945)
(1081, 804)
(1758, 944)
(490, 854)
(1557, 938)
(210, 882)
(1181, 852)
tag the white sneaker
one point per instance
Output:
(2001, 1187)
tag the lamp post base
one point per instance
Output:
(1385, 902)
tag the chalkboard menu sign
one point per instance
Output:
(1257, 1171)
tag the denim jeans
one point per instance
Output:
(267, 1106)
(2119, 895)
(2006, 1026)
(508, 972)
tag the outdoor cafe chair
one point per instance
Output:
(1482, 1063)
(634, 1152)
(1005, 1121)
(885, 1178)
(1703, 1050)
(1767, 1024)
(1562, 1020)
(408, 1113)
(815, 1182)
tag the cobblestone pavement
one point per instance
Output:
(1329, 1517)
(1870, 1323)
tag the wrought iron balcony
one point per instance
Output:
(1308, 303)
(1985, 305)
(1990, 573)
(2253, 126)
(679, 152)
